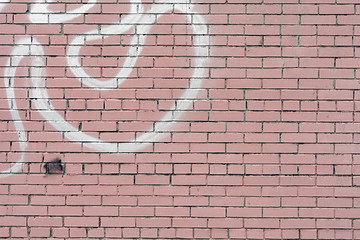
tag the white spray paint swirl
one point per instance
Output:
(40, 14)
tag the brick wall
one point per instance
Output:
(180, 119)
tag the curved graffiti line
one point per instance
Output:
(43, 103)
(10, 94)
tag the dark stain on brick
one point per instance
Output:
(54, 167)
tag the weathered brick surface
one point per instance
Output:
(204, 119)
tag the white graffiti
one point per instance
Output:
(41, 14)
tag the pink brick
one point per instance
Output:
(279, 191)
(111, 180)
(65, 211)
(119, 201)
(82, 200)
(188, 180)
(225, 223)
(47, 200)
(229, 73)
(81, 221)
(336, 73)
(191, 201)
(244, 212)
(334, 223)
(334, 202)
(45, 221)
(335, 52)
(298, 202)
(330, 30)
(11, 221)
(14, 200)
(313, 19)
(334, 9)
(101, 211)
(117, 222)
(261, 223)
(299, 30)
(226, 30)
(345, 192)
(262, 202)
(227, 52)
(189, 222)
(261, 30)
(152, 179)
(264, 137)
(230, 9)
(266, 52)
(153, 222)
(63, 190)
(316, 212)
(255, 8)
(297, 223)
(282, 19)
(155, 201)
(201, 148)
(295, 181)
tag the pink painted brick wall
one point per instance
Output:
(204, 119)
